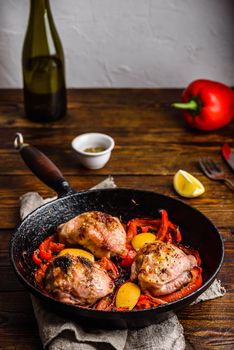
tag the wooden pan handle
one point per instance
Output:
(42, 166)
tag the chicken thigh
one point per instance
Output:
(162, 268)
(77, 280)
(99, 232)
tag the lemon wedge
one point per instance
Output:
(187, 185)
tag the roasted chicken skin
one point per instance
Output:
(77, 280)
(162, 268)
(99, 232)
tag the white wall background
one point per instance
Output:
(129, 43)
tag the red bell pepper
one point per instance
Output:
(48, 247)
(140, 225)
(36, 258)
(174, 233)
(162, 232)
(44, 248)
(207, 105)
(42, 256)
(146, 301)
(164, 229)
(128, 258)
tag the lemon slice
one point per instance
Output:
(127, 295)
(139, 240)
(77, 252)
(187, 185)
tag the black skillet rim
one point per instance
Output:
(160, 308)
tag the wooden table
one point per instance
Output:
(152, 143)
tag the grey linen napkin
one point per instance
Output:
(58, 333)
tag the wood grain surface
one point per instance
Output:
(152, 143)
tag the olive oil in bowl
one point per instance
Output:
(97, 149)
(93, 149)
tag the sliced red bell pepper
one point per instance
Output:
(194, 284)
(146, 301)
(47, 255)
(43, 256)
(36, 258)
(139, 225)
(145, 229)
(48, 247)
(162, 232)
(169, 238)
(175, 232)
(56, 247)
(143, 303)
(127, 260)
(159, 226)
(45, 252)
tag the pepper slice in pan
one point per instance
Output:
(139, 225)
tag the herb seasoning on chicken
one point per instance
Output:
(162, 268)
(77, 280)
(101, 233)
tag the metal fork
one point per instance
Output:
(214, 172)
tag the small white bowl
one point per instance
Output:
(93, 160)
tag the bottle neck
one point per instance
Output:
(40, 11)
(42, 28)
(39, 6)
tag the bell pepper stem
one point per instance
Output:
(191, 105)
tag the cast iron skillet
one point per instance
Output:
(197, 231)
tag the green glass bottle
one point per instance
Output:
(43, 66)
